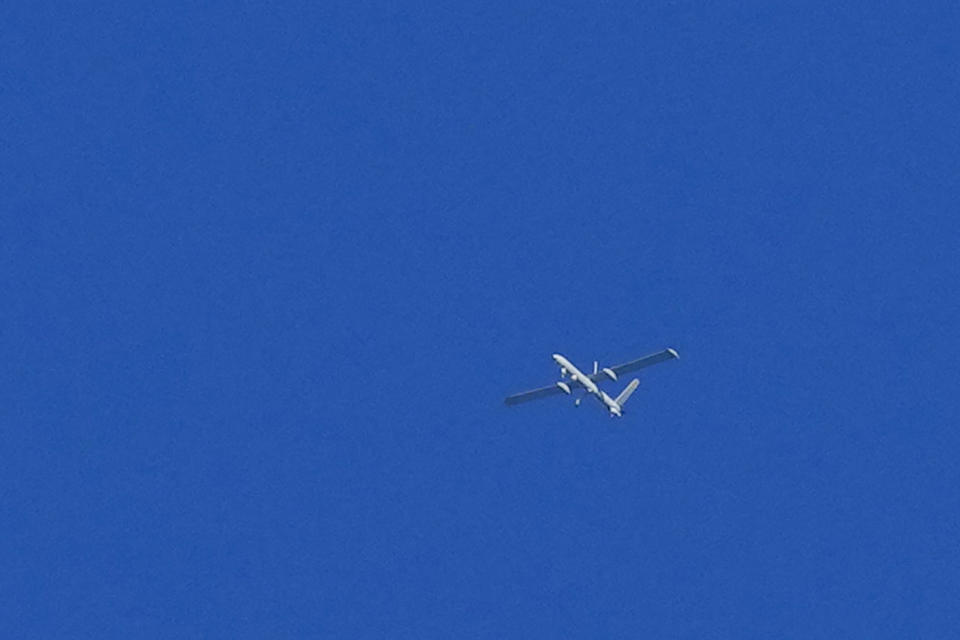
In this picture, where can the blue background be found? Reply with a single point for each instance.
(268, 274)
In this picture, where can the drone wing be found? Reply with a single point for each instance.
(542, 392)
(639, 363)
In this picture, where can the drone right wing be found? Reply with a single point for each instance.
(639, 363)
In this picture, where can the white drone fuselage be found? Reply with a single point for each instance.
(589, 385)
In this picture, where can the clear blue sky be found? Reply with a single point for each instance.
(268, 274)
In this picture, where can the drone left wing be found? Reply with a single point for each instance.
(542, 392)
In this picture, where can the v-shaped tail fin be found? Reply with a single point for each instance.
(625, 394)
